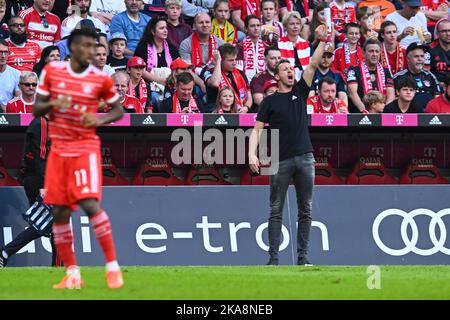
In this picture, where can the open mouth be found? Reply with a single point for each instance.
(290, 77)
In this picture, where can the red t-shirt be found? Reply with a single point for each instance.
(69, 137)
(314, 105)
(438, 105)
(23, 58)
(17, 105)
(341, 17)
(36, 29)
(247, 7)
(429, 5)
(392, 57)
(132, 103)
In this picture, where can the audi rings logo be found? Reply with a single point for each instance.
(411, 244)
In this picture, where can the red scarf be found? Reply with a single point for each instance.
(241, 96)
(197, 50)
(366, 80)
(347, 56)
(252, 67)
(314, 105)
(399, 62)
(176, 106)
(287, 48)
(152, 56)
(143, 94)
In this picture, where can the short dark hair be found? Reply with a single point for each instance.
(227, 49)
(14, 17)
(100, 45)
(266, 52)
(184, 78)
(76, 34)
(327, 80)
(405, 82)
(277, 66)
(265, 1)
(248, 18)
(370, 41)
(351, 25)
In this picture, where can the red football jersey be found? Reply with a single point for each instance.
(23, 58)
(314, 105)
(132, 103)
(69, 137)
(340, 17)
(44, 34)
(17, 105)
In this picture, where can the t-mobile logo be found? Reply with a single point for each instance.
(185, 118)
(399, 119)
(329, 119)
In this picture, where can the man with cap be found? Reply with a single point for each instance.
(80, 9)
(427, 86)
(411, 23)
(270, 87)
(137, 86)
(179, 66)
(116, 58)
(324, 71)
(182, 101)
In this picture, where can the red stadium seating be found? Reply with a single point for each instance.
(154, 172)
(370, 170)
(6, 180)
(325, 173)
(422, 171)
(204, 175)
(249, 178)
(111, 176)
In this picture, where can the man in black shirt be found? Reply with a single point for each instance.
(182, 100)
(285, 111)
(440, 54)
(406, 89)
(36, 149)
(426, 83)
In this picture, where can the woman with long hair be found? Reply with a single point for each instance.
(226, 102)
(156, 50)
(49, 54)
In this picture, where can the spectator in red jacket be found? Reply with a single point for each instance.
(441, 104)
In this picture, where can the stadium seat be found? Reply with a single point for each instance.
(111, 176)
(325, 173)
(422, 171)
(155, 172)
(250, 178)
(370, 170)
(204, 175)
(6, 180)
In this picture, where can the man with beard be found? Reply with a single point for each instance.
(81, 12)
(272, 56)
(427, 86)
(326, 101)
(23, 54)
(440, 54)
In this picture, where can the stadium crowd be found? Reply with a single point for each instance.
(185, 56)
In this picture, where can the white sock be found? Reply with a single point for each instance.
(73, 271)
(4, 254)
(112, 266)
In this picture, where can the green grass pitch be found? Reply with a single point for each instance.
(234, 282)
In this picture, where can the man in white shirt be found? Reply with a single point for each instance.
(81, 12)
(105, 10)
(411, 24)
(9, 77)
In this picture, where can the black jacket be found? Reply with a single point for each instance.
(37, 146)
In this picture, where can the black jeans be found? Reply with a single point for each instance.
(301, 169)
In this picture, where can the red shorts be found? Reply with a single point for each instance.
(71, 179)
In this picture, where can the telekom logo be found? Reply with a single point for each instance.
(329, 119)
(399, 119)
(185, 118)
